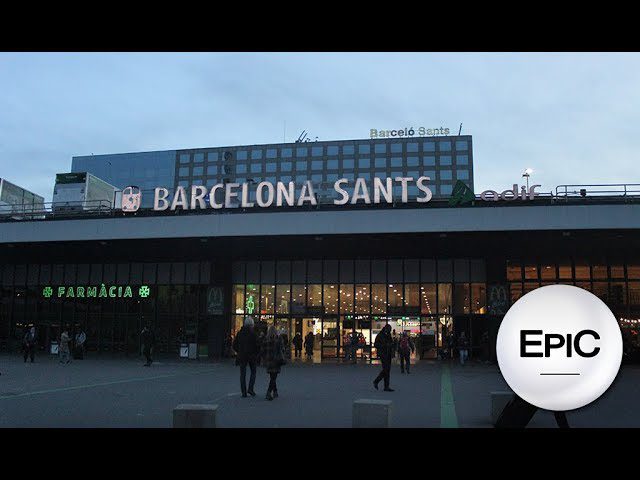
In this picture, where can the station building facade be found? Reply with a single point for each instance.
(431, 269)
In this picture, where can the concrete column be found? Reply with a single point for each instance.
(371, 413)
(194, 416)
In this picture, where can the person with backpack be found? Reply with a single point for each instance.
(385, 348)
(405, 348)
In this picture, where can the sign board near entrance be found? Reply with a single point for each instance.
(215, 298)
(498, 302)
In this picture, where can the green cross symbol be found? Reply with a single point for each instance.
(144, 291)
(47, 292)
(250, 305)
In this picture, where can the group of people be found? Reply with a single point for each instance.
(66, 345)
(30, 344)
(270, 351)
(308, 345)
(353, 341)
(461, 344)
(387, 344)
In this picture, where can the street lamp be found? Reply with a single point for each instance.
(527, 173)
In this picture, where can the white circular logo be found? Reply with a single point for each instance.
(559, 347)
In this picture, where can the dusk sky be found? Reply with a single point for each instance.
(569, 116)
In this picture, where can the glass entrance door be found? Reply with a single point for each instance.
(303, 326)
(427, 345)
(330, 341)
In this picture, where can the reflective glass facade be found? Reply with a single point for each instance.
(146, 170)
(444, 159)
(323, 163)
(333, 298)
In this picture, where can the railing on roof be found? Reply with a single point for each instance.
(47, 210)
(600, 190)
(614, 193)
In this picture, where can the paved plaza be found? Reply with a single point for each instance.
(102, 391)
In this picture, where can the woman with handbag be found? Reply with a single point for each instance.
(273, 357)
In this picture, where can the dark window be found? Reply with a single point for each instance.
(149, 273)
(283, 272)
(299, 272)
(346, 271)
(192, 273)
(445, 273)
(362, 271)
(123, 274)
(177, 273)
(411, 271)
(268, 272)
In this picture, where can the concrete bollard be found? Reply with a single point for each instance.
(194, 416)
(499, 400)
(371, 413)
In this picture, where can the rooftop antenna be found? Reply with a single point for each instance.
(460, 131)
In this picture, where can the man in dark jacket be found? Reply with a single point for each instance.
(385, 347)
(148, 340)
(246, 346)
(297, 345)
(308, 345)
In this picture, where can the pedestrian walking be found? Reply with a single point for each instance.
(261, 336)
(297, 345)
(451, 345)
(384, 347)
(308, 345)
(405, 348)
(463, 347)
(394, 336)
(81, 338)
(355, 343)
(64, 352)
(285, 343)
(148, 341)
(29, 344)
(246, 347)
(273, 358)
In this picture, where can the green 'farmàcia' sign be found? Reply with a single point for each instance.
(102, 291)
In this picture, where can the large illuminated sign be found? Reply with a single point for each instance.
(101, 291)
(280, 194)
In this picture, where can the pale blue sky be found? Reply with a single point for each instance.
(569, 116)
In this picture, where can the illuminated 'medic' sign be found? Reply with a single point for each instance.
(102, 291)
